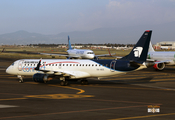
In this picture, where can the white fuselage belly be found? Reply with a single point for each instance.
(80, 68)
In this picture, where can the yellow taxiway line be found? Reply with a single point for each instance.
(81, 91)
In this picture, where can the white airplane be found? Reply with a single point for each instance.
(161, 58)
(78, 53)
(66, 69)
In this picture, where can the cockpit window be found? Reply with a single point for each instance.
(90, 53)
(12, 64)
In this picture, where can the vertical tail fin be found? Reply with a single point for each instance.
(140, 50)
(69, 44)
(151, 49)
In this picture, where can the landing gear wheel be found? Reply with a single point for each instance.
(21, 81)
(84, 82)
(64, 83)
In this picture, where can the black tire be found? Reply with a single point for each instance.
(62, 83)
(20, 81)
(84, 82)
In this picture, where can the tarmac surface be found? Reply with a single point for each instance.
(118, 98)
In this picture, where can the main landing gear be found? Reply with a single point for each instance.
(63, 82)
(20, 79)
(84, 82)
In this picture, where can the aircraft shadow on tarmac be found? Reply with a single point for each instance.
(102, 82)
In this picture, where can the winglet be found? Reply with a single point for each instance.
(109, 52)
(38, 65)
(69, 44)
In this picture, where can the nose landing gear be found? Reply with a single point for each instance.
(20, 79)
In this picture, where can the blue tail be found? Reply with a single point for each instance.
(140, 50)
(69, 44)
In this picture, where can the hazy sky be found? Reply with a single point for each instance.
(55, 16)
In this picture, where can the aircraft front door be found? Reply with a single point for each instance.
(112, 66)
(20, 65)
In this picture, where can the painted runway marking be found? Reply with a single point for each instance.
(50, 96)
(7, 106)
(12, 99)
(162, 88)
(123, 87)
(81, 91)
(146, 116)
(58, 96)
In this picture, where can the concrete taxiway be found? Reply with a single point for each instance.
(126, 97)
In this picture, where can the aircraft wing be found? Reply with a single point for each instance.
(71, 74)
(26, 52)
(54, 54)
(106, 55)
(64, 73)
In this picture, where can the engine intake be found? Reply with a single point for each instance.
(39, 77)
(159, 66)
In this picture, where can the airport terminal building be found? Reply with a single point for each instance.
(169, 45)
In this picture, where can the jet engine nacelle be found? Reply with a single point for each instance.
(39, 77)
(159, 66)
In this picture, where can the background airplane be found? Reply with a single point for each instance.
(71, 53)
(161, 58)
(64, 69)
(79, 53)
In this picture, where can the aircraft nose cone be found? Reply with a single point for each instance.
(8, 70)
(92, 56)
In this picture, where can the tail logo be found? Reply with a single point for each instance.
(137, 51)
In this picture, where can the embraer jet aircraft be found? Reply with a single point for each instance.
(66, 69)
(79, 53)
(161, 58)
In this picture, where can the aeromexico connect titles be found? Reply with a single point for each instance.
(66, 69)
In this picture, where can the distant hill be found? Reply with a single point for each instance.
(127, 35)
